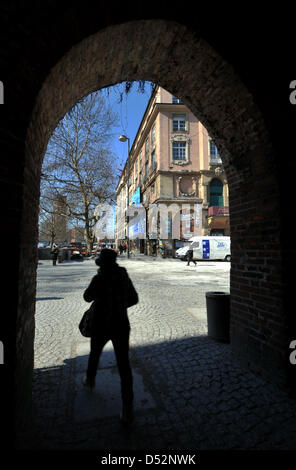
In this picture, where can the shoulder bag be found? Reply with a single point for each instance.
(86, 322)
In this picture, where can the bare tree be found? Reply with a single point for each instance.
(46, 219)
(79, 164)
(47, 229)
(52, 216)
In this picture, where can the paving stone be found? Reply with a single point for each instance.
(189, 390)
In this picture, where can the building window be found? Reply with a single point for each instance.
(213, 150)
(146, 170)
(176, 100)
(216, 192)
(153, 137)
(147, 148)
(179, 122)
(153, 160)
(140, 178)
(152, 188)
(179, 150)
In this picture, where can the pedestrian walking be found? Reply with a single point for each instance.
(190, 257)
(120, 249)
(112, 292)
(54, 254)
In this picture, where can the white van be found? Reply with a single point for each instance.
(182, 252)
(211, 247)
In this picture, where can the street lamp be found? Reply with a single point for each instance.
(124, 138)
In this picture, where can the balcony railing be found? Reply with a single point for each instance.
(218, 210)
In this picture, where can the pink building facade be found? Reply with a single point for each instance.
(175, 172)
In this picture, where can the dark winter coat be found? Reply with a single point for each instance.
(54, 253)
(190, 254)
(113, 292)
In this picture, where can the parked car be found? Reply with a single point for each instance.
(43, 244)
(83, 250)
(182, 252)
(76, 251)
(76, 255)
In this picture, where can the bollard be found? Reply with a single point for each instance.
(218, 316)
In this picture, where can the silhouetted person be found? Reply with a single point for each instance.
(190, 257)
(54, 254)
(113, 292)
(120, 248)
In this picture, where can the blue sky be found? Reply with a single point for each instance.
(130, 112)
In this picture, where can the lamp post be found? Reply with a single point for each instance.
(124, 138)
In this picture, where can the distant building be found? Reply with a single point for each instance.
(75, 234)
(173, 163)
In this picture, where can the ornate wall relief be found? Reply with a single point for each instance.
(186, 186)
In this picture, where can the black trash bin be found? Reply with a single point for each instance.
(218, 316)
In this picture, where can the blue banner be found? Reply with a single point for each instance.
(135, 199)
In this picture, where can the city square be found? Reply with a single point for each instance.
(190, 391)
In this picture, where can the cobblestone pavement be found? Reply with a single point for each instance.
(190, 391)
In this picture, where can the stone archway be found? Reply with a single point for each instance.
(180, 61)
